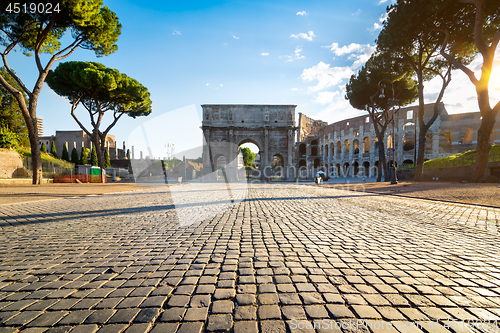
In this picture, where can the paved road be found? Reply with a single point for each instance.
(286, 258)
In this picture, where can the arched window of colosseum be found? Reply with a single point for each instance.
(465, 135)
(409, 141)
(347, 146)
(302, 150)
(366, 145)
(314, 142)
(332, 149)
(376, 143)
(445, 136)
(325, 149)
(356, 134)
(428, 140)
(355, 144)
(445, 141)
(389, 142)
(314, 151)
(409, 126)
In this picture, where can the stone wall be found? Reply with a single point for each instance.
(11, 164)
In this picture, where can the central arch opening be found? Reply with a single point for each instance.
(249, 158)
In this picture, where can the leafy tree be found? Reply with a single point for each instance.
(74, 156)
(406, 35)
(65, 153)
(83, 156)
(248, 156)
(91, 26)
(128, 154)
(93, 157)
(363, 92)
(8, 139)
(10, 114)
(53, 150)
(100, 90)
(107, 161)
(43, 149)
(477, 25)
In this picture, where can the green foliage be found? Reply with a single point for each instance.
(92, 26)
(198, 160)
(107, 162)
(10, 113)
(8, 139)
(364, 84)
(410, 33)
(43, 149)
(74, 156)
(93, 157)
(462, 159)
(53, 150)
(248, 156)
(128, 154)
(83, 156)
(97, 85)
(65, 153)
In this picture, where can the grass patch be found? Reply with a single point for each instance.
(462, 159)
(26, 152)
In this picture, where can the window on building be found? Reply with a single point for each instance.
(367, 120)
(409, 114)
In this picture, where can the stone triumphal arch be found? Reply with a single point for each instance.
(226, 127)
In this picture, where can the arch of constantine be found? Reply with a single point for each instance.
(226, 127)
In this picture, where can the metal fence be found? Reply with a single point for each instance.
(49, 169)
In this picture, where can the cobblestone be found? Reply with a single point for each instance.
(287, 252)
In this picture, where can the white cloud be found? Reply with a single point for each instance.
(302, 13)
(382, 1)
(235, 36)
(208, 84)
(298, 49)
(325, 75)
(309, 36)
(357, 12)
(221, 85)
(359, 53)
(380, 24)
(176, 32)
(326, 97)
(295, 89)
(264, 54)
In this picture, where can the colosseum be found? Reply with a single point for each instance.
(344, 147)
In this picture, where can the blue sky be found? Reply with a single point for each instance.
(238, 52)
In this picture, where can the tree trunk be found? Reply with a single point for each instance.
(36, 159)
(32, 125)
(422, 138)
(422, 130)
(97, 143)
(483, 145)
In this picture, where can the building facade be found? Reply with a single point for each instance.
(78, 139)
(350, 146)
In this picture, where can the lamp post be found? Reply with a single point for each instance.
(392, 103)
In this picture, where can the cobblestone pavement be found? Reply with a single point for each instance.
(286, 258)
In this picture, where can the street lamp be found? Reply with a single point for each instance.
(393, 103)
